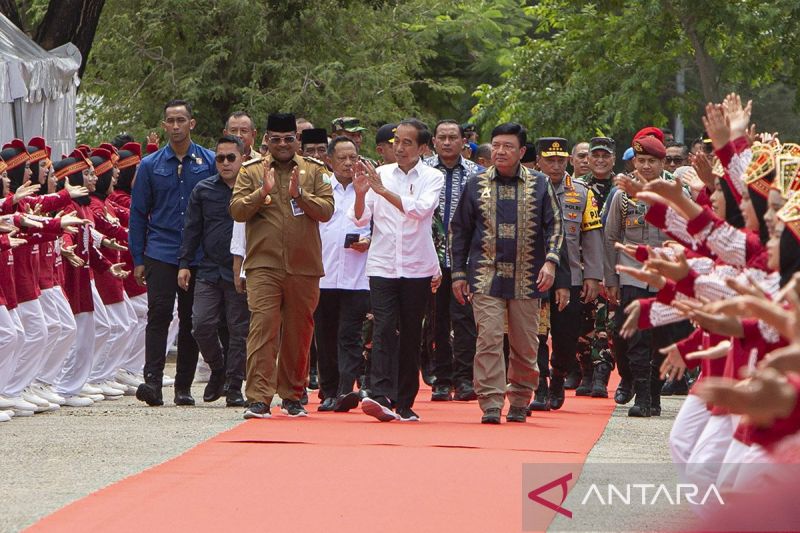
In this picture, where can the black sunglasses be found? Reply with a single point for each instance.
(673, 159)
(222, 157)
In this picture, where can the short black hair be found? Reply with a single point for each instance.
(231, 139)
(676, 144)
(240, 114)
(484, 150)
(512, 128)
(448, 121)
(423, 133)
(179, 103)
(121, 140)
(339, 139)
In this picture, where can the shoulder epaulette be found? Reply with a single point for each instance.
(314, 160)
(253, 161)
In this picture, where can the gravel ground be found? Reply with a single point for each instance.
(53, 459)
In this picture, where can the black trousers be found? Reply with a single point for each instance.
(453, 361)
(338, 325)
(162, 288)
(565, 329)
(398, 306)
(213, 303)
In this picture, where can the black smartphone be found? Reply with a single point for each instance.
(350, 238)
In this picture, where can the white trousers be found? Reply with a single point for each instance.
(134, 361)
(78, 364)
(689, 424)
(733, 459)
(12, 337)
(33, 350)
(706, 458)
(56, 311)
(122, 321)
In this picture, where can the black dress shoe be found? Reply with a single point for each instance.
(215, 387)
(517, 414)
(183, 397)
(304, 398)
(441, 393)
(491, 416)
(313, 379)
(556, 396)
(149, 393)
(327, 404)
(465, 393)
(234, 398)
(572, 380)
(624, 392)
(639, 411)
(345, 402)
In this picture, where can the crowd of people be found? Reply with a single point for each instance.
(491, 268)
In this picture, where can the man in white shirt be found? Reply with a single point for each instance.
(400, 199)
(344, 290)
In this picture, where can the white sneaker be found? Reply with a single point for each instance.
(91, 388)
(167, 381)
(29, 396)
(45, 391)
(130, 390)
(9, 413)
(77, 401)
(109, 392)
(203, 372)
(23, 412)
(6, 403)
(126, 377)
(116, 385)
(94, 397)
(50, 407)
(4, 417)
(22, 405)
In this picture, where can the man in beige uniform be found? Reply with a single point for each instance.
(282, 198)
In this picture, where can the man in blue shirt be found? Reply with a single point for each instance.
(161, 191)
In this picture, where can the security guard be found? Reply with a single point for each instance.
(282, 198)
(626, 224)
(584, 241)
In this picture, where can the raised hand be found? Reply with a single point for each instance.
(360, 180)
(738, 116)
(716, 125)
(652, 278)
(673, 365)
(269, 180)
(702, 165)
(675, 270)
(68, 253)
(76, 191)
(114, 245)
(27, 222)
(14, 242)
(118, 271)
(25, 190)
(294, 182)
(631, 186)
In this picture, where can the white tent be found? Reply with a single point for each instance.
(37, 90)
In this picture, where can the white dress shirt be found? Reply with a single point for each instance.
(345, 268)
(239, 242)
(402, 242)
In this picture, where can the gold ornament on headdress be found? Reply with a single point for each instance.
(763, 162)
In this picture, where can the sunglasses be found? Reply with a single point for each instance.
(221, 158)
(289, 139)
(673, 159)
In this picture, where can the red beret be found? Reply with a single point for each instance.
(649, 145)
(651, 131)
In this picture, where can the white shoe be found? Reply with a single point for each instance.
(130, 390)
(22, 405)
(91, 388)
(203, 372)
(77, 401)
(94, 397)
(45, 391)
(126, 377)
(116, 385)
(29, 396)
(167, 381)
(109, 392)
(4, 417)
(50, 407)
(23, 412)
(6, 403)
(9, 413)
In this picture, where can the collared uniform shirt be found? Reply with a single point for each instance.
(503, 231)
(454, 180)
(402, 241)
(158, 203)
(582, 228)
(277, 236)
(208, 225)
(345, 268)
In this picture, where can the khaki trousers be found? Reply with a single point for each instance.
(279, 302)
(491, 383)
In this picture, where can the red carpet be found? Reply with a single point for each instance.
(346, 472)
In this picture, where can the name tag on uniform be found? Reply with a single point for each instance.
(296, 209)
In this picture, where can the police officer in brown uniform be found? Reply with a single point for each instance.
(282, 198)
(584, 242)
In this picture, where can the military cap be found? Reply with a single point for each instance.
(385, 133)
(350, 124)
(552, 146)
(602, 143)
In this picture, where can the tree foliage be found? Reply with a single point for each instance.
(610, 66)
(380, 61)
